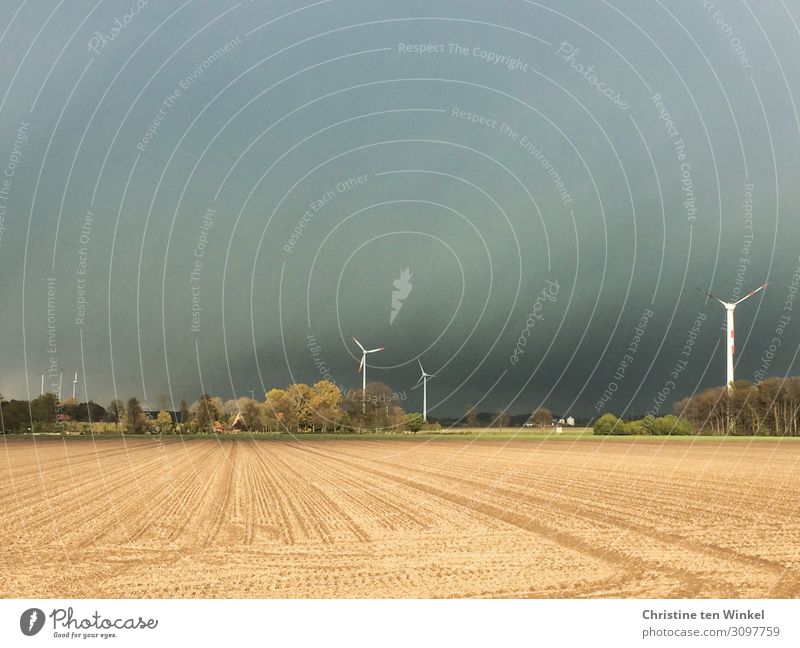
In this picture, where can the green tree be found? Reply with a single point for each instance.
(16, 416)
(205, 411)
(70, 407)
(90, 412)
(414, 422)
(251, 412)
(43, 409)
(216, 405)
(115, 412)
(135, 419)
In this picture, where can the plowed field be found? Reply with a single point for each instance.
(238, 518)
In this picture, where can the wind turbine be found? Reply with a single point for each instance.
(423, 380)
(362, 367)
(74, 385)
(729, 333)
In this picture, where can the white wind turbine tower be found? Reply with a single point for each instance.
(362, 367)
(74, 385)
(423, 380)
(729, 333)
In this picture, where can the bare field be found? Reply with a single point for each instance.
(203, 518)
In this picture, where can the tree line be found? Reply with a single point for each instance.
(299, 408)
(767, 408)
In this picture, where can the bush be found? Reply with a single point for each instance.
(649, 424)
(671, 425)
(683, 427)
(634, 428)
(414, 422)
(608, 424)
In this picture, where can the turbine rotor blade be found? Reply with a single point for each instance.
(705, 292)
(374, 350)
(361, 364)
(359, 344)
(750, 294)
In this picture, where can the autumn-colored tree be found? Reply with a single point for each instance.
(325, 405)
(376, 408)
(304, 399)
(281, 406)
(164, 422)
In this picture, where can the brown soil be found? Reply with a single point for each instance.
(129, 518)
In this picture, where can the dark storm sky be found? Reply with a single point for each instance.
(612, 154)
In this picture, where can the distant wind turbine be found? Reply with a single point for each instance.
(423, 380)
(729, 333)
(362, 367)
(74, 385)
